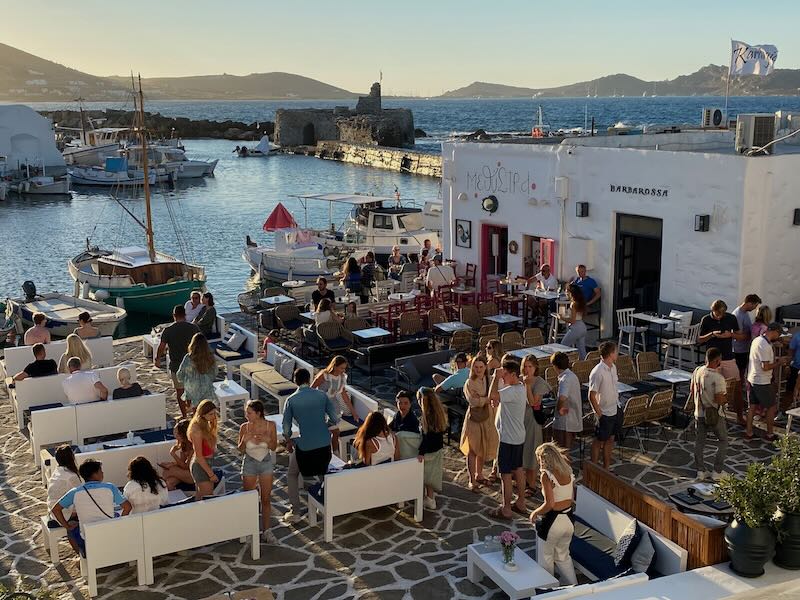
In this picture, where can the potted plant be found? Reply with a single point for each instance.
(785, 480)
(750, 538)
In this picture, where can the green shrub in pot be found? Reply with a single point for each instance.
(785, 480)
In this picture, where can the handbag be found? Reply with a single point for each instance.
(478, 414)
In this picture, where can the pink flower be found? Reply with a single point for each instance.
(508, 538)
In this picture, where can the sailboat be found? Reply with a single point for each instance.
(140, 280)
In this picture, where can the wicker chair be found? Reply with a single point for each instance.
(646, 363)
(356, 323)
(334, 338)
(461, 341)
(660, 407)
(582, 368)
(625, 369)
(633, 415)
(492, 331)
(249, 301)
(532, 336)
(436, 315)
(483, 340)
(469, 315)
(410, 325)
(288, 318)
(593, 355)
(488, 309)
(551, 377)
(511, 340)
(732, 388)
(544, 364)
(274, 291)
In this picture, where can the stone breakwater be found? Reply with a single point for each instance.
(392, 159)
(162, 126)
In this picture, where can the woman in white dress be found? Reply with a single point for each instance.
(332, 380)
(145, 491)
(64, 477)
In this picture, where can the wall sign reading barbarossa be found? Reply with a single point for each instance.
(640, 191)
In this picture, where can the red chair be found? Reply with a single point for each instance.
(423, 303)
(485, 297)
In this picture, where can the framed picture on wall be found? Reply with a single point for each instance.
(463, 233)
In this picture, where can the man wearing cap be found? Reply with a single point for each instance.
(759, 376)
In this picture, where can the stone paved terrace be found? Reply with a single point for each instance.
(382, 553)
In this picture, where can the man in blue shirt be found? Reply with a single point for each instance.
(589, 287)
(455, 381)
(309, 454)
(93, 501)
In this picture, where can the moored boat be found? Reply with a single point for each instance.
(62, 311)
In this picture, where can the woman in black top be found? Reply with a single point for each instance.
(433, 426)
(404, 419)
(206, 320)
(126, 389)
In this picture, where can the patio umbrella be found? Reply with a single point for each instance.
(279, 218)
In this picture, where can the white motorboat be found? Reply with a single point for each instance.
(293, 256)
(100, 177)
(43, 185)
(173, 160)
(62, 311)
(95, 145)
(262, 149)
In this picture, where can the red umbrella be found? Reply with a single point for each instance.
(279, 218)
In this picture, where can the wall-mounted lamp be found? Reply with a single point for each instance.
(581, 209)
(533, 201)
(463, 197)
(490, 204)
(702, 222)
(796, 220)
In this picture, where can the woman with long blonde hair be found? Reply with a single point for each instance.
(763, 318)
(433, 426)
(197, 373)
(203, 436)
(479, 437)
(332, 380)
(75, 347)
(555, 527)
(534, 418)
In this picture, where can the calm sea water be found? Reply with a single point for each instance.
(213, 215)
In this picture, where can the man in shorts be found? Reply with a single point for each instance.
(759, 376)
(741, 347)
(176, 338)
(604, 397)
(708, 389)
(513, 399)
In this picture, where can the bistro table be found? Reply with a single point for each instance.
(370, 334)
(543, 294)
(445, 369)
(503, 319)
(544, 351)
(402, 296)
(307, 316)
(348, 298)
(661, 322)
(513, 284)
(672, 376)
(276, 300)
(554, 347)
(294, 283)
(450, 327)
(622, 388)
(687, 499)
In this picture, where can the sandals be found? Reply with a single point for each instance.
(519, 511)
(474, 487)
(771, 437)
(497, 514)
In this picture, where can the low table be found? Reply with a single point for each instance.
(370, 334)
(521, 583)
(700, 508)
(276, 300)
(793, 412)
(229, 391)
(149, 344)
(503, 319)
(450, 327)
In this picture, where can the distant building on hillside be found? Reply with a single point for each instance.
(369, 124)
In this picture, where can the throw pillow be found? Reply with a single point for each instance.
(643, 555)
(627, 544)
(411, 372)
(236, 340)
(278, 361)
(287, 369)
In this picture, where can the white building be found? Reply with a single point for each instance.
(27, 138)
(643, 196)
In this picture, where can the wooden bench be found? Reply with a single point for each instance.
(18, 357)
(74, 424)
(354, 490)
(40, 391)
(705, 543)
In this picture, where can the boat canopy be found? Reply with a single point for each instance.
(354, 199)
(279, 218)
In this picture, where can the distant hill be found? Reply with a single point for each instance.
(707, 81)
(28, 78)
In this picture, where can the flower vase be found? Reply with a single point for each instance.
(508, 557)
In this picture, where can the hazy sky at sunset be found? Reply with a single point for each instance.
(423, 47)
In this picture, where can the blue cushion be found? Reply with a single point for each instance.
(594, 551)
(46, 406)
(644, 555)
(292, 324)
(339, 342)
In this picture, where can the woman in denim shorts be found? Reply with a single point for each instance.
(258, 439)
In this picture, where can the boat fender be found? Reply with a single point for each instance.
(120, 301)
(326, 252)
(101, 295)
(86, 290)
(76, 289)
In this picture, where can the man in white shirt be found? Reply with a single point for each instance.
(569, 407)
(545, 280)
(513, 400)
(439, 275)
(708, 390)
(82, 386)
(759, 376)
(193, 306)
(93, 501)
(604, 397)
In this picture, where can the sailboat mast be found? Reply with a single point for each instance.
(151, 247)
(83, 121)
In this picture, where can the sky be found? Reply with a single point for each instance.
(423, 47)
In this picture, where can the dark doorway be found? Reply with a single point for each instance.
(494, 250)
(638, 263)
(309, 135)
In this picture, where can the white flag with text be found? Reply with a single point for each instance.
(752, 60)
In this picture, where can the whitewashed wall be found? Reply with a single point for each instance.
(27, 137)
(696, 267)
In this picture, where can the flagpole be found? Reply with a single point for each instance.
(727, 88)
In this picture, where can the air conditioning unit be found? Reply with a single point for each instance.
(755, 131)
(713, 118)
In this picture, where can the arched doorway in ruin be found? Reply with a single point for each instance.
(309, 135)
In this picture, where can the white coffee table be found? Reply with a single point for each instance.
(521, 583)
(149, 344)
(229, 391)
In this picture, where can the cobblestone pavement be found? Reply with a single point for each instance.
(381, 553)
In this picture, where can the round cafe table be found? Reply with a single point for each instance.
(402, 297)
(294, 283)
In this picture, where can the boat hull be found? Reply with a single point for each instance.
(153, 299)
(34, 187)
(61, 325)
(278, 267)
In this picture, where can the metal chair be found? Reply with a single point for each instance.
(688, 341)
(461, 341)
(633, 415)
(626, 372)
(532, 336)
(511, 340)
(627, 327)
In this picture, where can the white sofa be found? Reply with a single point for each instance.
(354, 490)
(264, 376)
(38, 391)
(74, 424)
(247, 352)
(18, 357)
(151, 534)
